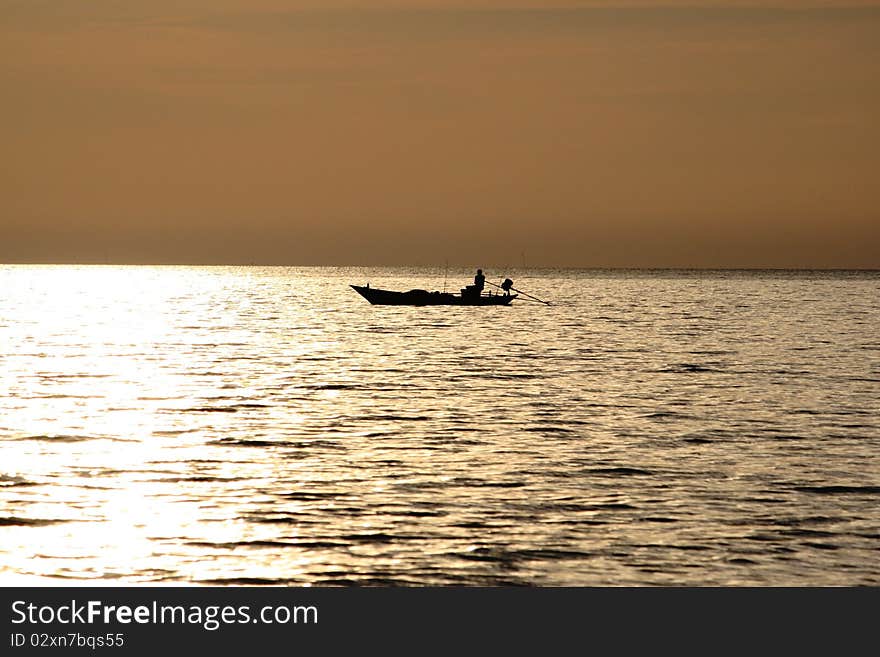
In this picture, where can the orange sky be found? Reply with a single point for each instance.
(634, 134)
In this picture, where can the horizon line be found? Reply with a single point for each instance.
(441, 266)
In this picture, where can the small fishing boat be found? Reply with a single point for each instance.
(379, 297)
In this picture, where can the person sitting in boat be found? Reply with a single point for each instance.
(506, 285)
(479, 281)
(477, 288)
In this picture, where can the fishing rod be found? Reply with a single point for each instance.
(522, 293)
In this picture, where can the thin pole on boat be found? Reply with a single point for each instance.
(446, 276)
(522, 293)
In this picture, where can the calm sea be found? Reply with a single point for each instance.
(267, 425)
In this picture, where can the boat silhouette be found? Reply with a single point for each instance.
(379, 297)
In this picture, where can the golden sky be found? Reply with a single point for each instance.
(707, 133)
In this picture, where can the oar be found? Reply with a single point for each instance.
(522, 293)
(531, 300)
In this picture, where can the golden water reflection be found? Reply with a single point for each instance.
(237, 425)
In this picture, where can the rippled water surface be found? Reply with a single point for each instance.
(250, 425)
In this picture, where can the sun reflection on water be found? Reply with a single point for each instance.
(200, 425)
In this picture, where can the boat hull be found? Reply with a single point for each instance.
(379, 297)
